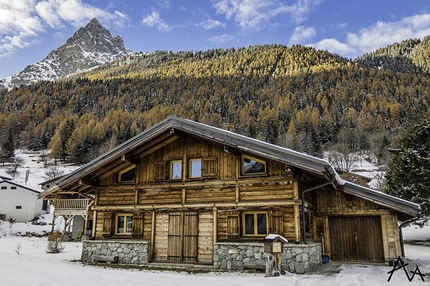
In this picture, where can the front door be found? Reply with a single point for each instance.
(182, 241)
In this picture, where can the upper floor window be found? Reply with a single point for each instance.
(176, 170)
(124, 224)
(4, 187)
(253, 166)
(195, 166)
(13, 187)
(128, 175)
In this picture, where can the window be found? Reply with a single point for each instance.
(18, 207)
(124, 224)
(195, 168)
(176, 170)
(253, 166)
(127, 176)
(13, 188)
(254, 223)
(4, 187)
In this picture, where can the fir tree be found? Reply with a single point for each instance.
(408, 175)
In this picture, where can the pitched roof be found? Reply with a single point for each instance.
(304, 162)
(20, 186)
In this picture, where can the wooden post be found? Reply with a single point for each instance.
(153, 235)
(215, 223)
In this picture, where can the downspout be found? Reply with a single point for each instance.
(303, 204)
(402, 246)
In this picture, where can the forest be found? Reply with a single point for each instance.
(298, 97)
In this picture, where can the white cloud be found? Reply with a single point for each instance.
(212, 24)
(255, 14)
(154, 20)
(302, 33)
(379, 35)
(22, 21)
(336, 47)
(222, 39)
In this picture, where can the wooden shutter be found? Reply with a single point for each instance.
(209, 167)
(108, 223)
(190, 236)
(277, 223)
(160, 171)
(174, 251)
(137, 225)
(233, 226)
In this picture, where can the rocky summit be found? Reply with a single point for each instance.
(89, 47)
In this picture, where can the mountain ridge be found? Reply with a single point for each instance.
(87, 48)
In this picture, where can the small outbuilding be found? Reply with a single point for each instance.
(18, 201)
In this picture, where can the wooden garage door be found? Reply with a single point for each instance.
(356, 239)
(182, 244)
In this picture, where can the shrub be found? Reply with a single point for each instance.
(55, 242)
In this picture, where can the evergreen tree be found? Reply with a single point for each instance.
(8, 148)
(408, 175)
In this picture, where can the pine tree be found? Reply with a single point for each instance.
(408, 175)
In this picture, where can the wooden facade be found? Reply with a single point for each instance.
(185, 188)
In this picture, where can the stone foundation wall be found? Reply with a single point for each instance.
(128, 251)
(296, 258)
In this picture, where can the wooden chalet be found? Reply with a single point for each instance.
(183, 191)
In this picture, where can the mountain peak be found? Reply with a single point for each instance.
(87, 48)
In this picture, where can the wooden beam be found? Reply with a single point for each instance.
(254, 204)
(150, 144)
(105, 169)
(260, 181)
(130, 159)
(158, 146)
(87, 182)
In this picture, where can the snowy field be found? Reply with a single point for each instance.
(24, 261)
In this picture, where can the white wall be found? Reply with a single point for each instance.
(11, 198)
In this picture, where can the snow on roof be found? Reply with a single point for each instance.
(28, 188)
(5, 175)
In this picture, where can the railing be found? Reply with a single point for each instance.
(72, 204)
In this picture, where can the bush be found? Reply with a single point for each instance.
(55, 242)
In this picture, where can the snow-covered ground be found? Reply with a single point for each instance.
(24, 261)
(33, 163)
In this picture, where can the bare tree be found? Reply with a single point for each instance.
(53, 172)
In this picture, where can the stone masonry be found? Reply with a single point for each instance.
(296, 258)
(235, 256)
(127, 251)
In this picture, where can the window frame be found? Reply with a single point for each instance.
(190, 168)
(120, 181)
(244, 157)
(171, 171)
(125, 215)
(255, 213)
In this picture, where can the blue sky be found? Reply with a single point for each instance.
(30, 29)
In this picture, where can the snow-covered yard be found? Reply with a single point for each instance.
(24, 261)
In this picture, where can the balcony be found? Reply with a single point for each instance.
(71, 206)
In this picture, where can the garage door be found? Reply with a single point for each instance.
(356, 239)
